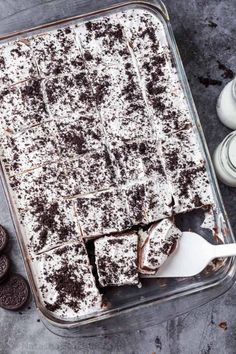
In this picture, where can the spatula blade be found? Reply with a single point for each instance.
(190, 257)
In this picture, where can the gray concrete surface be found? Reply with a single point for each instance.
(198, 331)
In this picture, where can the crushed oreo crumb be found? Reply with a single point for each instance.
(207, 81)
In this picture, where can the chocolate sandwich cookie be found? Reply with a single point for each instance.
(4, 266)
(3, 238)
(14, 292)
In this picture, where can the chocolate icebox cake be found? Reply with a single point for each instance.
(97, 142)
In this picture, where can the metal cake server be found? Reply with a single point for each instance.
(192, 255)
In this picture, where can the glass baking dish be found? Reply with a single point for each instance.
(157, 300)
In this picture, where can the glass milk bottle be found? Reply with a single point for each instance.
(226, 105)
(224, 159)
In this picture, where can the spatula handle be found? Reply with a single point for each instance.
(228, 250)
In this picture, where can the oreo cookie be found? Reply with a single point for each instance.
(4, 266)
(3, 238)
(14, 292)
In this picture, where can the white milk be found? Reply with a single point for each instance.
(224, 159)
(226, 105)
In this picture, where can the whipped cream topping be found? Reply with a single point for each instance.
(91, 172)
(159, 200)
(116, 259)
(129, 161)
(16, 63)
(56, 52)
(78, 136)
(120, 103)
(182, 151)
(102, 42)
(148, 202)
(48, 225)
(191, 189)
(102, 213)
(155, 248)
(67, 286)
(22, 106)
(96, 138)
(45, 184)
(69, 96)
(30, 148)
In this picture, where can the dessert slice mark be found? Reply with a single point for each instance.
(91, 172)
(29, 149)
(56, 52)
(46, 226)
(102, 213)
(48, 183)
(66, 283)
(116, 259)
(16, 63)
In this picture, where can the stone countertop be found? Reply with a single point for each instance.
(205, 32)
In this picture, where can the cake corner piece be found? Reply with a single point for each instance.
(66, 284)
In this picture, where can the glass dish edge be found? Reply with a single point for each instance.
(154, 6)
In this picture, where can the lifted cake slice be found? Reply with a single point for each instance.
(160, 241)
(65, 281)
(116, 259)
